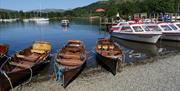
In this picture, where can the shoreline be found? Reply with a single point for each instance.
(156, 75)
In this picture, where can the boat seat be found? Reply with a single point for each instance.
(73, 49)
(33, 57)
(105, 47)
(116, 52)
(19, 65)
(111, 47)
(38, 51)
(67, 56)
(70, 62)
(40, 48)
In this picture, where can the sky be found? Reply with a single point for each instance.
(27, 5)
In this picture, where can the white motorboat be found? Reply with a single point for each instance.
(65, 22)
(171, 31)
(137, 32)
(9, 20)
(41, 20)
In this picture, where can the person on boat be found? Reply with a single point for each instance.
(166, 18)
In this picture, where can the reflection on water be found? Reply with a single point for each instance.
(135, 51)
(21, 35)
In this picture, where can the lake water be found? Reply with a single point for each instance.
(21, 35)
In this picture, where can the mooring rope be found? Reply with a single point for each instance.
(8, 79)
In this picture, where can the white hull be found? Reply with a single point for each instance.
(42, 22)
(171, 36)
(148, 38)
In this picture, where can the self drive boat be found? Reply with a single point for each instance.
(24, 64)
(108, 54)
(65, 22)
(136, 32)
(70, 61)
(170, 31)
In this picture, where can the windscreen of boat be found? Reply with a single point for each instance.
(126, 29)
(173, 27)
(178, 25)
(166, 28)
(137, 28)
(152, 28)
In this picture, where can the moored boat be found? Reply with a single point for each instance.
(70, 61)
(65, 22)
(108, 54)
(3, 53)
(136, 32)
(170, 31)
(24, 64)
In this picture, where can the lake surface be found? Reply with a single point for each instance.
(21, 35)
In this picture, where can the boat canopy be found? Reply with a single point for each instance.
(166, 27)
(126, 29)
(137, 28)
(173, 26)
(178, 25)
(151, 27)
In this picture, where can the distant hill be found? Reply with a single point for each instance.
(127, 7)
(48, 10)
(7, 10)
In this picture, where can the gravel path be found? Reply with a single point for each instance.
(161, 75)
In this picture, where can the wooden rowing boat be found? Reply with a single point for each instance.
(108, 54)
(3, 53)
(24, 64)
(70, 61)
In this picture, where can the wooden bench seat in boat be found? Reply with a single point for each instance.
(38, 51)
(33, 57)
(109, 53)
(70, 62)
(72, 53)
(73, 49)
(69, 56)
(20, 65)
(40, 48)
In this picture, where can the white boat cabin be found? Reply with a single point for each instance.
(168, 27)
(175, 25)
(138, 28)
(152, 27)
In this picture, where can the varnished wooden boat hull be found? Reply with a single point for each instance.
(108, 63)
(20, 76)
(69, 75)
